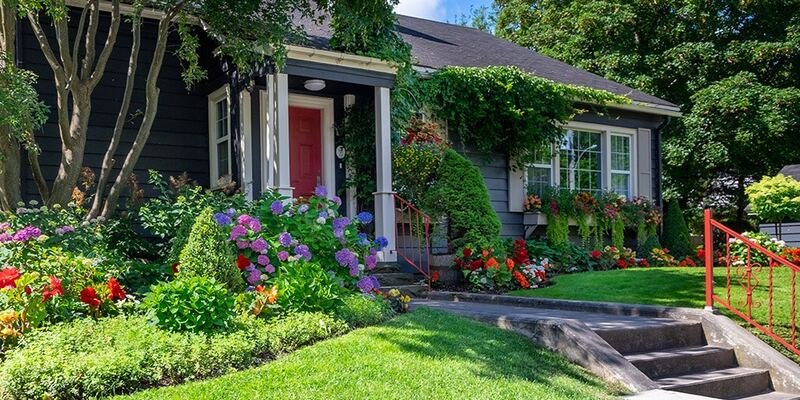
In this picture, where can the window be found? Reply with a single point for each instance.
(580, 161)
(621, 164)
(219, 136)
(540, 173)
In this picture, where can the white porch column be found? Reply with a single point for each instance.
(350, 197)
(283, 183)
(384, 196)
(246, 144)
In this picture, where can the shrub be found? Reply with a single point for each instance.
(359, 310)
(676, 233)
(460, 194)
(208, 254)
(646, 249)
(89, 359)
(305, 286)
(193, 304)
(775, 199)
(414, 166)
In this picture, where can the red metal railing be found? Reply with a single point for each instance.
(412, 233)
(744, 293)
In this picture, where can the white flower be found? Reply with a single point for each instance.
(321, 221)
(33, 203)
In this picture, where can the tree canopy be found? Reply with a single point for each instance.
(675, 49)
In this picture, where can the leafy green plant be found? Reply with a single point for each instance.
(461, 194)
(415, 166)
(359, 310)
(775, 199)
(289, 332)
(357, 132)
(208, 254)
(675, 236)
(194, 304)
(306, 286)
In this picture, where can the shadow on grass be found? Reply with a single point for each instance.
(491, 353)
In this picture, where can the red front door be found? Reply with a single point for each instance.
(305, 144)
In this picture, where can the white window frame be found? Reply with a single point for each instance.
(631, 165)
(606, 131)
(214, 140)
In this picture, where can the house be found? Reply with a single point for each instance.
(277, 132)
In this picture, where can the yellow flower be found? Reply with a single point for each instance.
(8, 332)
(8, 317)
(394, 293)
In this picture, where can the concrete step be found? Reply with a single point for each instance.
(396, 278)
(731, 383)
(684, 360)
(411, 290)
(647, 335)
(773, 396)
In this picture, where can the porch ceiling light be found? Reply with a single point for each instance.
(314, 85)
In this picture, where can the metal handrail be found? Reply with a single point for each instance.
(418, 230)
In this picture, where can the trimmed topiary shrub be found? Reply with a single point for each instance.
(208, 254)
(461, 194)
(676, 234)
(646, 249)
(193, 304)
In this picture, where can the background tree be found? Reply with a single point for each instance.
(249, 28)
(674, 49)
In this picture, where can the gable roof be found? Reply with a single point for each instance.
(792, 170)
(437, 44)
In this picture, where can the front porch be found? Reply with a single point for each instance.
(286, 137)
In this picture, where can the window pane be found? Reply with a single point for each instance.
(580, 161)
(620, 153)
(538, 180)
(222, 118)
(222, 159)
(620, 184)
(543, 156)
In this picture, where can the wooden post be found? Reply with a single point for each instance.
(709, 253)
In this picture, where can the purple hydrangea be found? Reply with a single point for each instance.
(237, 232)
(368, 284)
(371, 261)
(285, 239)
(302, 209)
(255, 225)
(5, 237)
(259, 245)
(222, 219)
(323, 214)
(381, 241)
(345, 257)
(365, 217)
(242, 244)
(354, 270)
(231, 212)
(269, 268)
(244, 219)
(276, 207)
(27, 233)
(320, 191)
(254, 276)
(4, 226)
(303, 251)
(262, 260)
(363, 239)
(283, 255)
(64, 230)
(337, 200)
(340, 223)
(373, 252)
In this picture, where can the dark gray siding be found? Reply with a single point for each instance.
(496, 171)
(178, 142)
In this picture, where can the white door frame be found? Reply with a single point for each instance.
(325, 105)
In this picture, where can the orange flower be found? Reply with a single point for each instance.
(492, 263)
(510, 264)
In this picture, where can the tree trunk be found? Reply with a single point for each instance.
(72, 149)
(10, 161)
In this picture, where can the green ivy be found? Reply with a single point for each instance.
(505, 109)
(356, 130)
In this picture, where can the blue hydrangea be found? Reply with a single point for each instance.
(365, 217)
(320, 191)
(303, 251)
(276, 207)
(222, 219)
(382, 242)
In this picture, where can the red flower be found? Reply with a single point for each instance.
(54, 289)
(115, 290)
(175, 267)
(492, 263)
(476, 265)
(89, 297)
(435, 276)
(643, 263)
(622, 263)
(596, 254)
(510, 264)
(701, 253)
(28, 290)
(8, 278)
(467, 252)
(687, 262)
(242, 262)
(485, 253)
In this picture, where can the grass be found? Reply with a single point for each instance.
(680, 287)
(422, 355)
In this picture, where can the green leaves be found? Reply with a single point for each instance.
(20, 108)
(194, 304)
(775, 199)
(505, 109)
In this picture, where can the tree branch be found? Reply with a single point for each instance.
(62, 38)
(151, 108)
(76, 46)
(91, 36)
(105, 54)
(108, 159)
(44, 44)
(38, 177)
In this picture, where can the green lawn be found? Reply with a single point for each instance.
(422, 355)
(678, 287)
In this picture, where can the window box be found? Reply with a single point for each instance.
(531, 218)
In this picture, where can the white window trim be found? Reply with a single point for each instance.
(606, 131)
(215, 97)
(325, 105)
